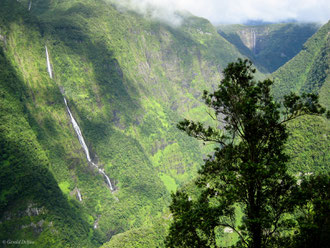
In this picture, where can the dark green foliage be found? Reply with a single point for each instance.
(248, 168)
(308, 72)
(141, 237)
(318, 73)
(313, 212)
(308, 145)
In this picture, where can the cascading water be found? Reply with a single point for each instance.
(83, 144)
(254, 41)
(48, 64)
(105, 175)
(30, 5)
(79, 195)
(96, 223)
(78, 132)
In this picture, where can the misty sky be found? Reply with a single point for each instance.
(237, 11)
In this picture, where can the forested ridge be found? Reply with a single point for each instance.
(308, 72)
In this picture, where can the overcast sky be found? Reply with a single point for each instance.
(237, 11)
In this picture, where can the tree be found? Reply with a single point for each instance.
(248, 168)
(313, 212)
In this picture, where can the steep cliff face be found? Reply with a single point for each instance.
(252, 37)
(127, 81)
(269, 46)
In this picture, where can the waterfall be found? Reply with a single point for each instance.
(254, 42)
(84, 146)
(30, 5)
(96, 223)
(79, 134)
(79, 195)
(105, 175)
(48, 64)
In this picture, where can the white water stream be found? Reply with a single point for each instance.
(254, 41)
(30, 5)
(84, 146)
(79, 195)
(96, 223)
(78, 131)
(49, 68)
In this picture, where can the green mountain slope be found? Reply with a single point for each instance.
(309, 70)
(31, 203)
(269, 46)
(305, 73)
(128, 81)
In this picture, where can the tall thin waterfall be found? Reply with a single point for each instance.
(254, 41)
(30, 5)
(84, 146)
(48, 64)
(96, 222)
(79, 195)
(105, 175)
(78, 132)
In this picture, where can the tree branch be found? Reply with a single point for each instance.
(240, 235)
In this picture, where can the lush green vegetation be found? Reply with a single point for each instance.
(31, 202)
(312, 214)
(128, 81)
(153, 236)
(308, 72)
(248, 168)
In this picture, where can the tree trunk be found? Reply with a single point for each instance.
(256, 235)
(254, 227)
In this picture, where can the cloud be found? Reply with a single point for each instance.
(156, 9)
(233, 11)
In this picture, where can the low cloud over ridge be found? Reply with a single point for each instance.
(234, 11)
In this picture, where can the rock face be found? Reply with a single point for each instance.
(34, 211)
(37, 227)
(251, 37)
(271, 45)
